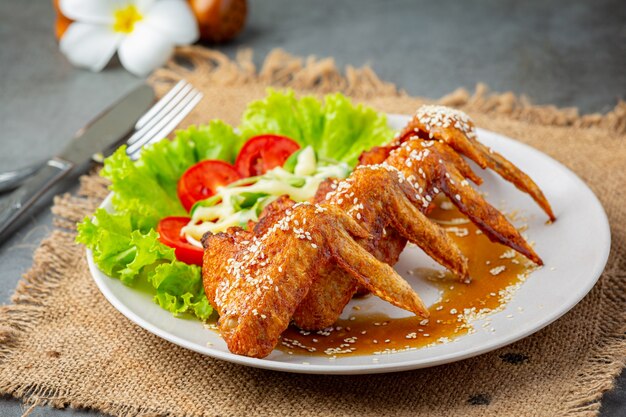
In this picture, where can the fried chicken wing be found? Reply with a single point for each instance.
(457, 130)
(257, 282)
(380, 198)
(440, 169)
(304, 261)
(430, 167)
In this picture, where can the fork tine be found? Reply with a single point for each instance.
(169, 127)
(167, 106)
(159, 104)
(148, 134)
(166, 124)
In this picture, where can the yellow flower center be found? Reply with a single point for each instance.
(125, 19)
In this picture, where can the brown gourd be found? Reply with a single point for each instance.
(219, 20)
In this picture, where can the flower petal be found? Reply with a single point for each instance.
(144, 50)
(174, 19)
(88, 45)
(144, 5)
(89, 11)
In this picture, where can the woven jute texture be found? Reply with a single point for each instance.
(62, 344)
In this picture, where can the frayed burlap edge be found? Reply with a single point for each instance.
(307, 75)
(321, 75)
(50, 262)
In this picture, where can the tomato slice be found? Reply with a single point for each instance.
(201, 180)
(169, 234)
(263, 153)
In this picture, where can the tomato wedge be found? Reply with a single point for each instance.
(263, 153)
(169, 234)
(201, 180)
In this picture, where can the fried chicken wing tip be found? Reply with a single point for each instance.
(457, 130)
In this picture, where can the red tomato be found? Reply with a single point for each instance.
(201, 180)
(169, 234)
(264, 152)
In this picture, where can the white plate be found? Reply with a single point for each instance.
(575, 250)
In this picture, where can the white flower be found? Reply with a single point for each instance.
(143, 32)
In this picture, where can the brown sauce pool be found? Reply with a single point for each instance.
(495, 270)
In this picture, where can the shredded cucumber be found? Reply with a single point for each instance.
(242, 201)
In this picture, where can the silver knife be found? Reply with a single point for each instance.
(100, 135)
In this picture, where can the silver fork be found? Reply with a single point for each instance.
(163, 117)
(155, 124)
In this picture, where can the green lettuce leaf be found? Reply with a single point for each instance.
(122, 251)
(179, 289)
(119, 248)
(350, 130)
(137, 191)
(336, 129)
(125, 244)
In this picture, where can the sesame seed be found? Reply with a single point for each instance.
(497, 270)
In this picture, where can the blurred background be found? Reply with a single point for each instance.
(559, 52)
(566, 53)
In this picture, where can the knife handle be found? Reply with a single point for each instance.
(10, 180)
(19, 201)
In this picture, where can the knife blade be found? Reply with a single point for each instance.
(101, 134)
(110, 127)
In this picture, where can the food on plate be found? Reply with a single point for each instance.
(263, 153)
(202, 180)
(243, 270)
(169, 230)
(125, 243)
(242, 201)
(304, 206)
(457, 130)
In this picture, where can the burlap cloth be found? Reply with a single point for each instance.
(61, 343)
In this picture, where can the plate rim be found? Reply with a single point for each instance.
(338, 369)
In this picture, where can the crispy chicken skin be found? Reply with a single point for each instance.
(442, 170)
(256, 282)
(429, 167)
(457, 130)
(380, 198)
(305, 261)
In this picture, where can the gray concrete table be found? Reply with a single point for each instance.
(560, 52)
